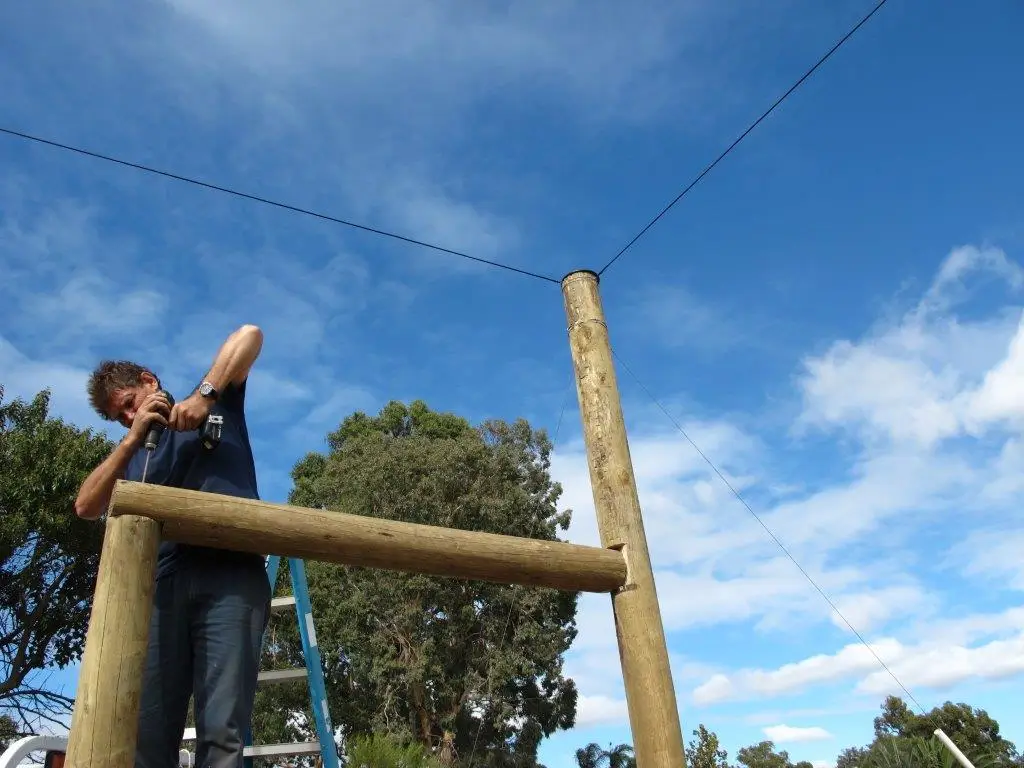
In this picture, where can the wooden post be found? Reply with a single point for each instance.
(650, 692)
(104, 724)
(251, 525)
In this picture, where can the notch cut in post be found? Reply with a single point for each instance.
(650, 692)
(623, 548)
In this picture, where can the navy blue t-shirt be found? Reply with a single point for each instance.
(181, 461)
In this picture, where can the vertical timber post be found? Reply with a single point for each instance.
(104, 725)
(650, 692)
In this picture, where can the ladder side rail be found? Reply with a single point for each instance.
(273, 563)
(311, 651)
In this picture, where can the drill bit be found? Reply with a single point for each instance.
(153, 437)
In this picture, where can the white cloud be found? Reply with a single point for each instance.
(948, 288)
(360, 109)
(70, 285)
(904, 398)
(783, 734)
(757, 683)
(446, 54)
(994, 553)
(23, 377)
(929, 664)
(869, 609)
(998, 398)
(970, 628)
(845, 708)
(942, 667)
(600, 710)
(930, 377)
(678, 317)
(925, 402)
(90, 303)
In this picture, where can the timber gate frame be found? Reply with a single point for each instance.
(104, 723)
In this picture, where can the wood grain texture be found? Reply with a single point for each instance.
(104, 723)
(248, 525)
(650, 693)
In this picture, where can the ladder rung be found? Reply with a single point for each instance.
(278, 750)
(272, 676)
(268, 750)
(280, 603)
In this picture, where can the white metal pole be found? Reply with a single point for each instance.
(960, 756)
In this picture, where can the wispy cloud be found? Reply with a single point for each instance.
(365, 110)
(599, 710)
(676, 317)
(24, 376)
(895, 484)
(447, 55)
(782, 734)
(931, 376)
(717, 567)
(927, 665)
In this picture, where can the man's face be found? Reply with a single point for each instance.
(125, 403)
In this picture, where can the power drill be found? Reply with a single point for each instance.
(209, 433)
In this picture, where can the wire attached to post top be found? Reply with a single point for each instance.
(743, 135)
(274, 203)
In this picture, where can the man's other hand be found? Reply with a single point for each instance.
(189, 413)
(156, 408)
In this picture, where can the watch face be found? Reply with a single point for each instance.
(205, 389)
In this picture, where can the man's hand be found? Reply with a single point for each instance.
(189, 413)
(155, 408)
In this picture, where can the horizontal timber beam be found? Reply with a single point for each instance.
(248, 525)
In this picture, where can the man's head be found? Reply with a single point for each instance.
(118, 387)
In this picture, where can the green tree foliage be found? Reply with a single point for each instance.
(903, 739)
(387, 752)
(594, 756)
(903, 735)
(890, 751)
(764, 755)
(8, 732)
(48, 556)
(430, 660)
(852, 757)
(705, 751)
(972, 730)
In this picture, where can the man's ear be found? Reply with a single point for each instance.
(149, 381)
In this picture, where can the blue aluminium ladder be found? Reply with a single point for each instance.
(313, 672)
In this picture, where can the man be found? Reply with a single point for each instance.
(210, 606)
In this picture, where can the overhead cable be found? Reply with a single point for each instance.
(742, 136)
(275, 203)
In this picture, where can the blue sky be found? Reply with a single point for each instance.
(833, 314)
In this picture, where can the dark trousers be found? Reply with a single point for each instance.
(204, 642)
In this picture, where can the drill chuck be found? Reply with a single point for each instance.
(156, 429)
(209, 431)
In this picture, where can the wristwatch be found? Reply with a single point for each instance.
(206, 389)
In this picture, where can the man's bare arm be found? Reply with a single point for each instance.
(231, 366)
(94, 495)
(235, 357)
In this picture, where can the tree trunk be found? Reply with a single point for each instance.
(423, 723)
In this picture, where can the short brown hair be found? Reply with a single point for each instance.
(110, 376)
